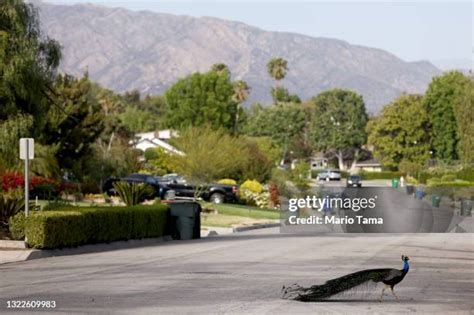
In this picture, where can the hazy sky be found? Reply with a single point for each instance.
(412, 30)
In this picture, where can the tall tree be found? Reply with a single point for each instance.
(201, 99)
(401, 132)
(28, 62)
(277, 68)
(241, 93)
(464, 112)
(338, 124)
(76, 125)
(439, 102)
(220, 68)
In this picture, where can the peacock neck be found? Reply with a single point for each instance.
(406, 266)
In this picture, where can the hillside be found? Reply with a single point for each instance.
(148, 51)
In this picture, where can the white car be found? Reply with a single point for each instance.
(329, 175)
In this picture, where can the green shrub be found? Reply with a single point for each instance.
(11, 203)
(79, 225)
(227, 181)
(466, 173)
(16, 224)
(252, 185)
(380, 175)
(133, 193)
(441, 183)
(448, 178)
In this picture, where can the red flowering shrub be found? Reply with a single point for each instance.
(12, 180)
(42, 187)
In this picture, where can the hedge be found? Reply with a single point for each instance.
(442, 183)
(77, 226)
(380, 175)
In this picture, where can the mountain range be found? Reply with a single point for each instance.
(148, 51)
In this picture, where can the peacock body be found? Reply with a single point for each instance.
(388, 276)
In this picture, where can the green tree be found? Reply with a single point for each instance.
(220, 68)
(75, 124)
(158, 161)
(28, 62)
(201, 99)
(277, 68)
(241, 93)
(282, 95)
(263, 156)
(338, 123)
(282, 123)
(464, 112)
(401, 132)
(208, 155)
(439, 102)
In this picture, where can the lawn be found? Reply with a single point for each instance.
(223, 220)
(244, 211)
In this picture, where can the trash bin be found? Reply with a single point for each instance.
(466, 207)
(410, 189)
(186, 220)
(419, 193)
(435, 201)
(394, 183)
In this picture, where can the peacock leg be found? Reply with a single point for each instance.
(381, 296)
(398, 300)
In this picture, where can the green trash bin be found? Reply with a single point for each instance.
(466, 207)
(435, 201)
(186, 220)
(394, 183)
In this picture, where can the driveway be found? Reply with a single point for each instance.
(243, 274)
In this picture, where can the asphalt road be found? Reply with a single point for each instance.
(243, 274)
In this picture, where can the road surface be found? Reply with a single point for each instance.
(243, 274)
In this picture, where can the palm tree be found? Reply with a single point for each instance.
(220, 68)
(277, 68)
(241, 93)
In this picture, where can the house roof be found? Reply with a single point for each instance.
(157, 143)
(371, 162)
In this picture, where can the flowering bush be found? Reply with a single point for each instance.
(260, 200)
(42, 187)
(251, 185)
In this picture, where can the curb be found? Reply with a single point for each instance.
(255, 227)
(12, 244)
(19, 255)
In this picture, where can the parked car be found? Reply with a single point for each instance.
(328, 175)
(177, 186)
(354, 181)
(215, 193)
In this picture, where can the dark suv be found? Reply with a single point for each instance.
(176, 185)
(109, 189)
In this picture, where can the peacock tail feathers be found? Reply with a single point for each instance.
(359, 280)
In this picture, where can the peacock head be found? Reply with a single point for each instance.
(405, 258)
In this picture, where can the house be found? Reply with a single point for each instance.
(156, 139)
(371, 165)
(319, 161)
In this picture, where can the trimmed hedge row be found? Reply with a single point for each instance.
(442, 183)
(380, 175)
(78, 226)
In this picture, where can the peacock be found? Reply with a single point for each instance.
(389, 277)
